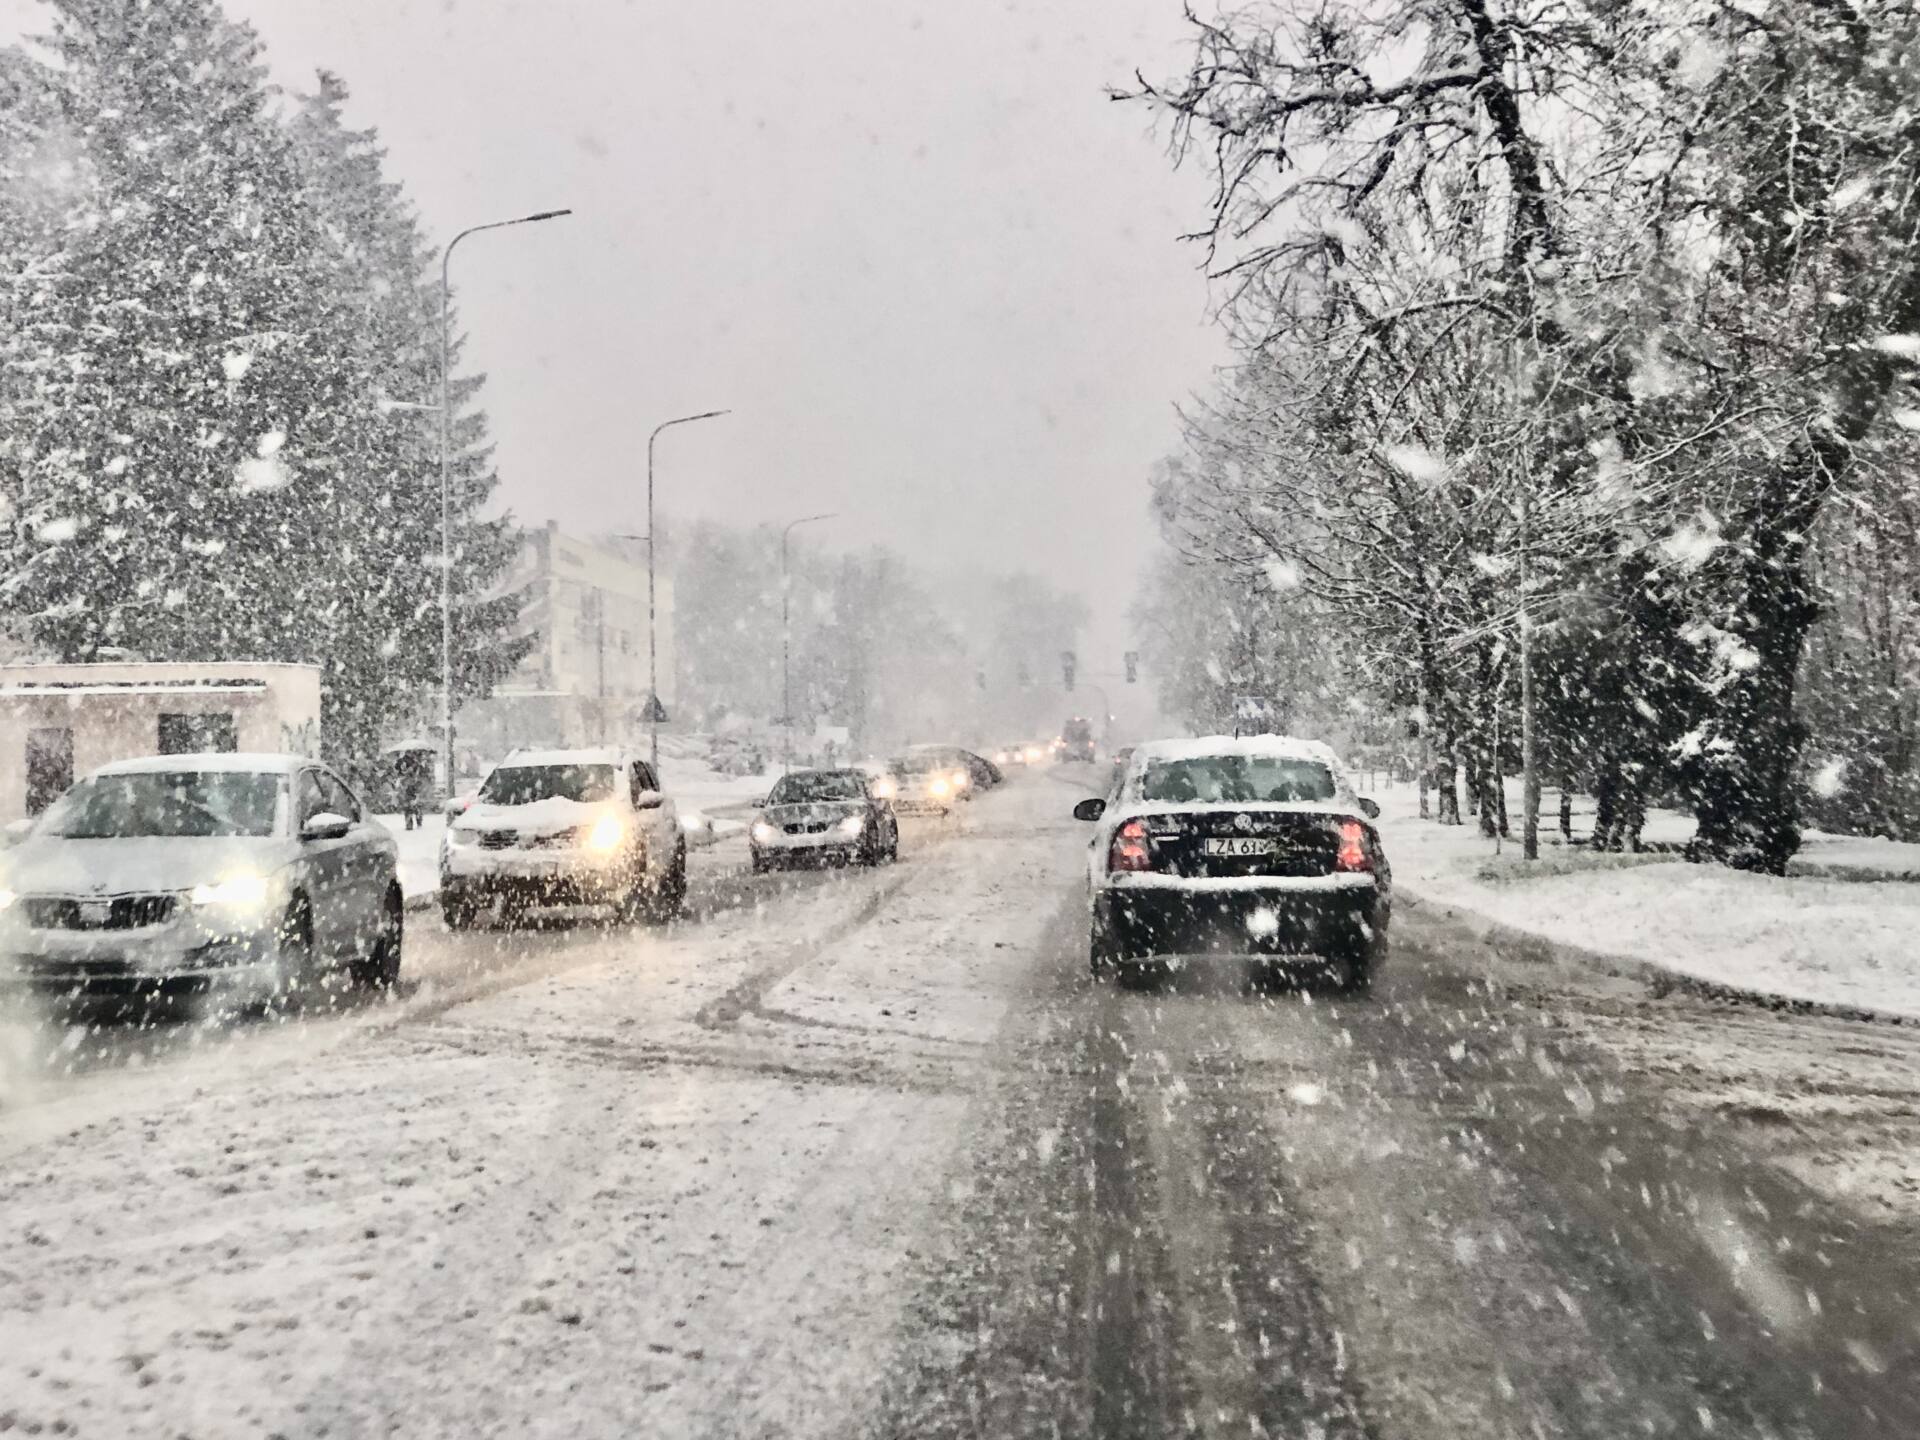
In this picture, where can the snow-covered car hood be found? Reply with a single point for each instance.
(541, 817)
(54, 866)
(814, 810)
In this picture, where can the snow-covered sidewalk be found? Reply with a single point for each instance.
(1808, 937)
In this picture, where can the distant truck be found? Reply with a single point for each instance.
(1076, 739)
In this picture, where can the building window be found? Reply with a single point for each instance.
(198, 734)
(49, 767)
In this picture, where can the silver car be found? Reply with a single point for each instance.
(247, 875)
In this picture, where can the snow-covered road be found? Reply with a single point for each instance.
(863, 1153)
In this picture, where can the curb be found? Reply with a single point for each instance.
(1526, 948)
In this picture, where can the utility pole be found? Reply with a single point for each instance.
(653, 645)
(446, 473)
(786, 644)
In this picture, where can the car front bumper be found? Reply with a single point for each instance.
(179, 958)
(821, 845)
(1292, 920)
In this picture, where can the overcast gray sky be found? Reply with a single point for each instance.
(932, 269)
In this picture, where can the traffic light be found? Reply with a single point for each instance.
(1133, 666)
(1068, 665)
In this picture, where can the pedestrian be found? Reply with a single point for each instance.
(412, 766)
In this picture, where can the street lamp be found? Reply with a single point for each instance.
(446, 474)
(653, 649)
(786, 644)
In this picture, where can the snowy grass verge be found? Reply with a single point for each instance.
(1807, 941)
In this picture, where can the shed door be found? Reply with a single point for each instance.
(49, 767)
(198, 734)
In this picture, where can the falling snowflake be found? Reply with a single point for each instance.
(1417, 463)
(236, 364)
(1283, 575)
(1831, 778)
(259, 476)
(57, 532)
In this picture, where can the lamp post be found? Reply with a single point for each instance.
(786, 643)
(446, 474)
(653, 648)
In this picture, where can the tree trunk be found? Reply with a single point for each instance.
(1745, 803)
(1606, 793)
(1447, 784)
(1566, 815)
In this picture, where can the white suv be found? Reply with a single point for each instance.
(565, 827)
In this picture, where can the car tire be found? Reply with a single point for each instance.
(381, 968)
(1353, 969)
(294, 945)
(458, 911)
(1107, 942)
(660, 902)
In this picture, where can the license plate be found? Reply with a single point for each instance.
(1238, 846)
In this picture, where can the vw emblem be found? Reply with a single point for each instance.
(1243, 822)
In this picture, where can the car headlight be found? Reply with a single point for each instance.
(606, 835)
(938, 785)
(245, 890)
(853, 824)
(7, 897)
(885, 788)
(763, 833)
(961, 779)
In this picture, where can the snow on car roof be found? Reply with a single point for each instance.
(263, 762)
(599, 755)
(1290, 747)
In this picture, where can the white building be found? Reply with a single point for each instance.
(57, 722)
(585, 681)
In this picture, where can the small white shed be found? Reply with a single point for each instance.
(57, 722)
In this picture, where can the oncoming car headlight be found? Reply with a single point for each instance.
(763, 833)
(606, 835)
(886, 787)
(938, 785)
(853, 824)
(245, 890)
(961, 779)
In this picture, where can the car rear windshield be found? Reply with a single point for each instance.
(524, 784)
(823, 785)
(1236, 779)
(184, 803)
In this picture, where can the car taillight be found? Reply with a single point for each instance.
(1129, 850)
(1353, 854)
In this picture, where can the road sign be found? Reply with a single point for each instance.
(653, 712)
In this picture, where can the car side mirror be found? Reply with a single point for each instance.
(1369, 808)
(326, 826)
(1090, 809)
(649, 800)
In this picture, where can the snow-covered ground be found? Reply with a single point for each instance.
(1807, 937)
(668, 1183)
